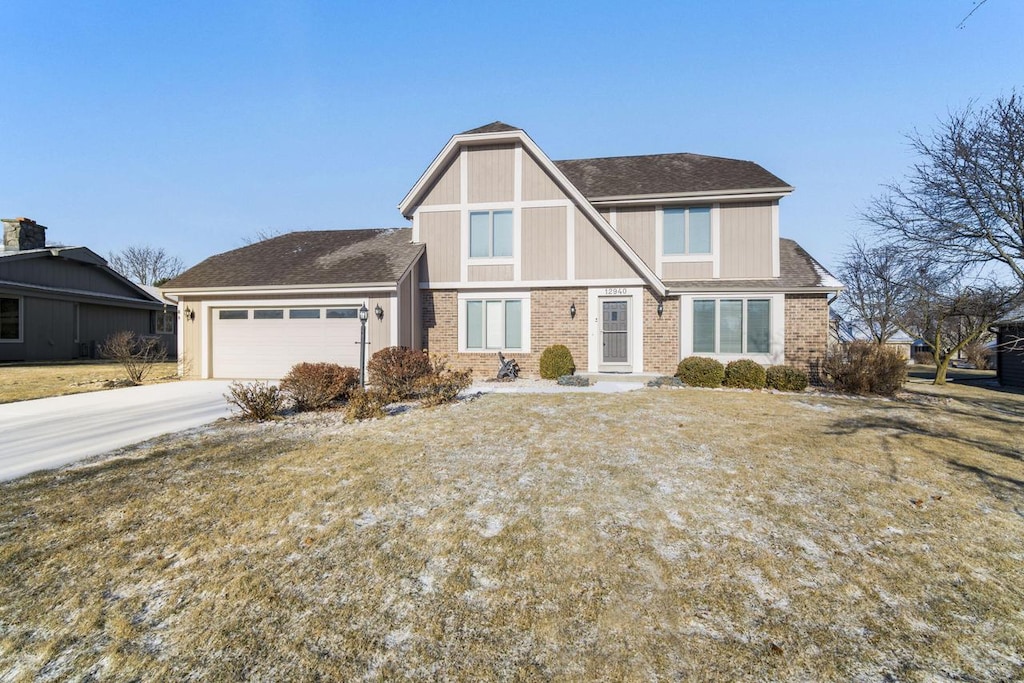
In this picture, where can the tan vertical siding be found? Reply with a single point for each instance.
(746, 240)
(378, 332)
(191, 356)
(490, 273)
(446, 189)
(702, 270)
(491, 172)
(537, 184)
(404, 311)
(595, 257)
(441, 233)
(637, 227)
(544, 248)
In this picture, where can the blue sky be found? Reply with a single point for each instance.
(192, 125)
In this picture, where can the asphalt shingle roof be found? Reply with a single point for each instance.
(314, 257)
(665, 174)
(797, 270)
(494, 127)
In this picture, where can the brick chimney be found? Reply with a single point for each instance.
(23, 233)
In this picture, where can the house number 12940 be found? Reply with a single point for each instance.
(615, 291)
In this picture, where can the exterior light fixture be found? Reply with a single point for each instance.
(379, 312)
(364, 314)
(572, 310)
(661, 308)
(189, 314)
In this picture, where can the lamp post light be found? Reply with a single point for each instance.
(364, 314)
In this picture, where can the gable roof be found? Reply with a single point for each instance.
(308, 258)
(798, 271)
(666, 174)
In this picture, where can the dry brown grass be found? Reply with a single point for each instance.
(662, 534)
(20, 382)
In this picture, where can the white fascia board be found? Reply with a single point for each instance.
(744, 292)
(759, 193)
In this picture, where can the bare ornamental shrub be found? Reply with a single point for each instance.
(396, 369)
(863, 367)
(785, 378)
(364, 404)
(443, 384)
(744, 374)
(924, 358)
(257, 401)
(136, 354)
(556, 361)
(978, 355)
(314, 386)
(697, 371)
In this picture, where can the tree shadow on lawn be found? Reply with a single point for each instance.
(1006, 489)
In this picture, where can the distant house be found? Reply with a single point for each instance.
(1009, 349)
(61, 303)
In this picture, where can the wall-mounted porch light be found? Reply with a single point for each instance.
(379, 312)
(572, 310)
(661, 308)
(189, 314)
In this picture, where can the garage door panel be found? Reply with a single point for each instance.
(267, 349)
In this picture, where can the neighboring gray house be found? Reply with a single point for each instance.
(1010, 349)
(61, 303)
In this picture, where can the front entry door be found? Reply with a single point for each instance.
(615, 331)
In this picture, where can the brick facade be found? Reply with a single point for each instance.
(550, 323)
(806, 332)
(661, 335)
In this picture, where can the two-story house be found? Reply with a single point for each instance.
(631, 262)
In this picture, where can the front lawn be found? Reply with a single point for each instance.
(660, 534)
(23, 381)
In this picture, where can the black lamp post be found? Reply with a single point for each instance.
(364, 314)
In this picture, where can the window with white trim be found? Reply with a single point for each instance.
(490, 234)
(686, 230)
(10, 319)
(732, 325)
(494, 324)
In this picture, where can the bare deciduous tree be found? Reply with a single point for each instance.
(136, 354)
(145, 265)
(262, 235)
(875, 292)
(963, 202)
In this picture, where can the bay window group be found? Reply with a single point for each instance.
(741, 326)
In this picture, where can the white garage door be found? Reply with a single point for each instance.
(264, 343)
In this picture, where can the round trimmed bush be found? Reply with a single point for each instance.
(697, 371)
(785, 378)
(556, 361)
(744, 374)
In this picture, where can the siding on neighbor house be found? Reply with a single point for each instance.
(746, 240)
(1010, 360)
(64, 274)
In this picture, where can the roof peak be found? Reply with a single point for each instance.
(493, 127)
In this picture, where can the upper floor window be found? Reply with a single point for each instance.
(687, 230)
(490, 234)
(10, 319)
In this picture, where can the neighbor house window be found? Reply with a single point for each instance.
(687, 230)
(490, 234)
(163, 322)
(732, 326)
(494, 324)
(10, 319)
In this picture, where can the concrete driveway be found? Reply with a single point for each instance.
(50, 432)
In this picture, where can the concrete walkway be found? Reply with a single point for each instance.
(50, 432)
